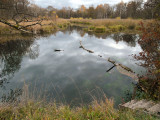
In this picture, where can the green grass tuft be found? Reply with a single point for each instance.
(117, 28)
(101, 29)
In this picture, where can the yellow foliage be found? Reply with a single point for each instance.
(118, 18)
(54, 12)
(80, 18)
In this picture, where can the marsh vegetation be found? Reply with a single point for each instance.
(62, 56)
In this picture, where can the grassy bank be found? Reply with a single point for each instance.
(95, 111)
(91, 25)
(110, 25)
(47, 26)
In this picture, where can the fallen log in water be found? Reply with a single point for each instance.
(111, 61)
(126, 71)
(81, 46)
(117, 64)
(123, 70)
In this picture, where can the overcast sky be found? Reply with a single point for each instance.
(74, 3)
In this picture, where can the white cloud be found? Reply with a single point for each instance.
(74, 3)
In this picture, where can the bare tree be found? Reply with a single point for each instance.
(20, 14)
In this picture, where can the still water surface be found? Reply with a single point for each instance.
(71, 76)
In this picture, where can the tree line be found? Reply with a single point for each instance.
(20, 10)
(23, 11)
(133, 9)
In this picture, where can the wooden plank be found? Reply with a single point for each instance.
(146, 106)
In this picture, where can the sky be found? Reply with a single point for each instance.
(74, 3)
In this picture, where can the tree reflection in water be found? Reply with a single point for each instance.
(11, 54)
(130, 39)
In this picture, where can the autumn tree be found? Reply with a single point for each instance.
(150, 56)
(82, 10)
(107, 11)
(121, 9)
(134, 9)
(154, 6)
(100, 11)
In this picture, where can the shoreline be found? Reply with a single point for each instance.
(97, 26)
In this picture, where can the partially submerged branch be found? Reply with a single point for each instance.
(117, 64)
(111, 68)
(81, 46)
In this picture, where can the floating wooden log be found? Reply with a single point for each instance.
(123, 70)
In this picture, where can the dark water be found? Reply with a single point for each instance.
(71, 76)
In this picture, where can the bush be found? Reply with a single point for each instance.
(100, 29)
(60, 25)
(138, 28)
(117, 28)
(150, 55)
(47, 29)
(91, 28)
(85, 29)
(80, 18)
(132, 26)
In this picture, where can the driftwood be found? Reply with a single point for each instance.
(126, 71)
(81, 46)
(116, 64)
(111, 68)
(123, 70)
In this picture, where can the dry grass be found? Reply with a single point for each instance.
(110, 22)
(112, 25)
(102, 110)
(47, 26)
(31, 109)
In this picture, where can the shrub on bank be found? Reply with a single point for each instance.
(131, 27)
(91, 28)
(117, 28)
(47, 29)
(101, 29)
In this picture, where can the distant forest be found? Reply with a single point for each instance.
(10, 9)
